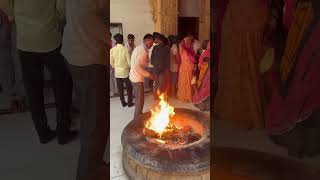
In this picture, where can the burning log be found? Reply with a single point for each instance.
(150, 133)
(174, 135)
(160, 126)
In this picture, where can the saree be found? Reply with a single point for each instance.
(239, 98)
(187, 57)
(289, 11)
(302, 20)
(302, 97)
(221, 7)
(202, 86)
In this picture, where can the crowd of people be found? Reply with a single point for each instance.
(267, 70)
(69, 39)
(162, 65)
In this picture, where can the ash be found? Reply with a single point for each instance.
(175, 136)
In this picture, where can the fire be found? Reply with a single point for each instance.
(160, 116)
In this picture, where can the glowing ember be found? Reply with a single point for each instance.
(160, 116)
(160, 141)
(160, 129)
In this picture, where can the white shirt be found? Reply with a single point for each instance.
(139, 61)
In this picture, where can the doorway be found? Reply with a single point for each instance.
(188, 25)
(115, 28)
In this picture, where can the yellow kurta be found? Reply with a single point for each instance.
(39, 23)
(120, 60)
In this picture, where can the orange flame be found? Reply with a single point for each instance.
(160, 116)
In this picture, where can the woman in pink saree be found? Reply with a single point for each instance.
(293, 115)
(187, 56)
(201, 97)
(288, 15)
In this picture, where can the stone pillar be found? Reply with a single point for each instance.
(165, 16)
(169, 14)
(204, 21)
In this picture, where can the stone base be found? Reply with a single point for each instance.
(136, 171)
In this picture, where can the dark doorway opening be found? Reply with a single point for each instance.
(188, 25)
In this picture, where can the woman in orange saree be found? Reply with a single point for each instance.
(187, 56)
(239, 98)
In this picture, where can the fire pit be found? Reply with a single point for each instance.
(167, 143)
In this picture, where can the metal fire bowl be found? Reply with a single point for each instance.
(193, 157)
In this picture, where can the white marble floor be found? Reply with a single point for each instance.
(23, 157)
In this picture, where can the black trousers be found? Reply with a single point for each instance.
(160, 83)
(32, 64)
(90, 84)
(120, 82)
(139, 97)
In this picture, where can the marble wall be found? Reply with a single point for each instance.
(134, 15)
(146, 16)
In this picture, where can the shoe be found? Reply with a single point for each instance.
(124, 104)
(130, 105)
(50, 135)
(68, 137)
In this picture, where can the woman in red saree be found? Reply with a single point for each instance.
(293, 115)
(187, 56)
(201, 97)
